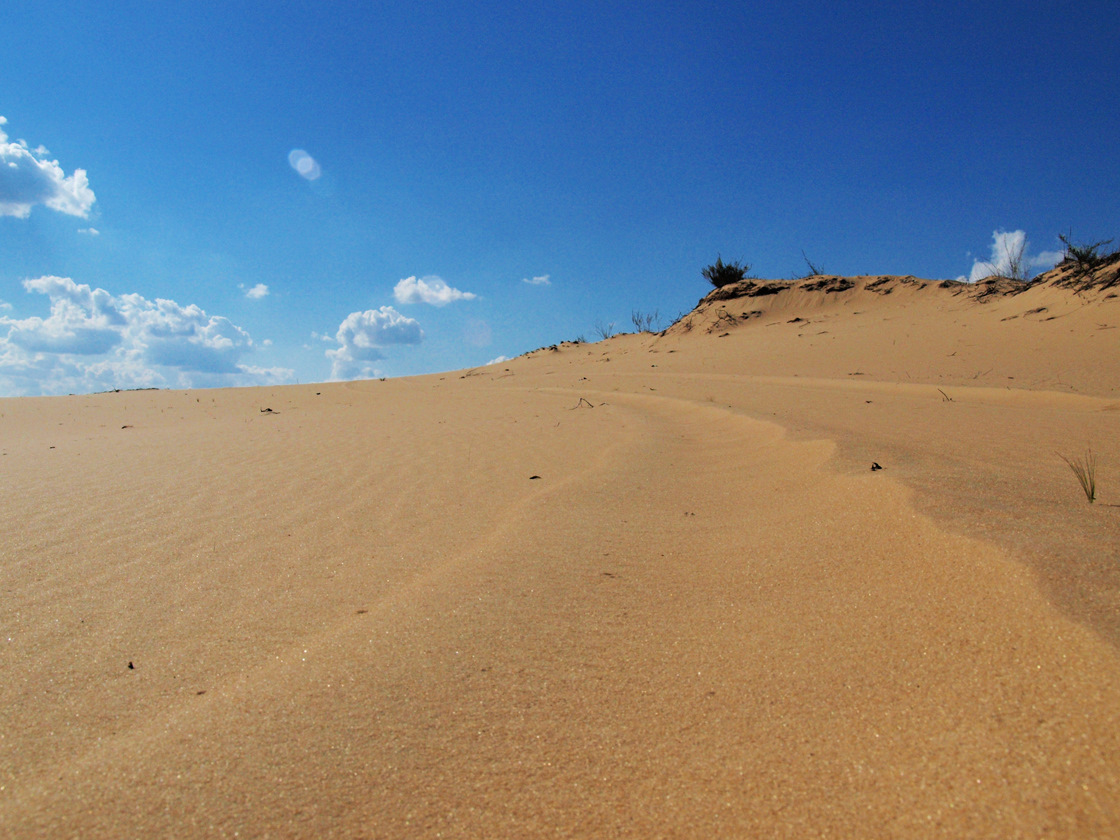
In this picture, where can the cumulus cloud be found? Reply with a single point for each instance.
(257, 292)
(304, 164)
(497, 360)
(92, 340)
(430, 289)
(184, 337)
(361, 337)
(1011, 257)
(83, 321)
(542, 280)
(28, 178)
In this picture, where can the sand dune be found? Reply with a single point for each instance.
(646, 587)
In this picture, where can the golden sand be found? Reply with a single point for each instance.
(648, 587)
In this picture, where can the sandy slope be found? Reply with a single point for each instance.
(648, 587)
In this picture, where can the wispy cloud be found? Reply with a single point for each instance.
(361, 337)
(93, 340)
(477, 333)
(431, 289)
(1011, 256)
(89, 231)
(542, 280)
(257, 292)
(28, 178)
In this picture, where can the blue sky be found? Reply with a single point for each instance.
(482, 179)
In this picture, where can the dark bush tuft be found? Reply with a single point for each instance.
(722, 274)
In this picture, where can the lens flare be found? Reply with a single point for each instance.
(304, 164)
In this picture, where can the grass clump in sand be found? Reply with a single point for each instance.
(814, 269)
(604, 331)
(1085, 468)
(1014, 265)
(721, 274)
(1087, 257)
(645, 321)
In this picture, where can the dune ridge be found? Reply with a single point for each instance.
(644, 587)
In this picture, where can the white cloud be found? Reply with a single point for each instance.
(27, 178)
(429, 289)
(92, 340)
(542, 280)
(257, 292)
(498, 360)
(361, 337)
(89, 231)
(184, 337)
(83, 321)
(1011, 256)
(304, 164)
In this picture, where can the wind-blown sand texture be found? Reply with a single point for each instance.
(648, 587)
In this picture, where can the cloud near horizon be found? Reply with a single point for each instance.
(431, 290)
(28, 178)
(1009, 248)
(361, 337)
(92, 340)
